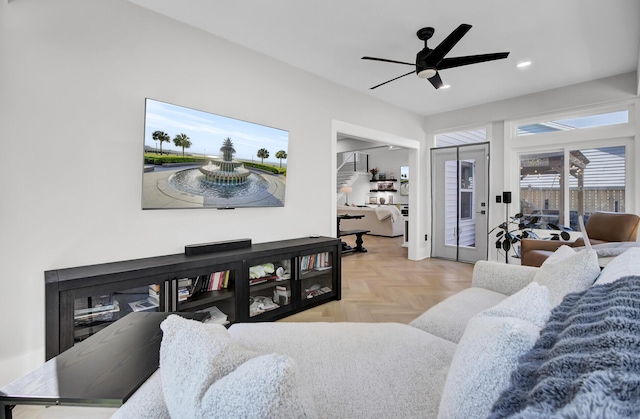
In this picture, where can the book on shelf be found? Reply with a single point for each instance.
(318, 261)
(216, 281)
(154, 292)
(183, 293)
(141, 305)
(188, 287)
(262, 279)
(215, 315)
(317, 292)
(99, 312)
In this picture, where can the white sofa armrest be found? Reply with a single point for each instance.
(501, 277)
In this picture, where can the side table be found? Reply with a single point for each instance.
(103, 370)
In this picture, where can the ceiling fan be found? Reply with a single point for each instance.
(430, 61)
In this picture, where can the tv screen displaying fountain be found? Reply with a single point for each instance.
(195, 159)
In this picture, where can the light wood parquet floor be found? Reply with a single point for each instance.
(382, 285)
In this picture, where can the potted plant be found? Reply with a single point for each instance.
(374, 172)
(508, 237)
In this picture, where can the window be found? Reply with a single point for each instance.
(461, 138)
(590, 121)
(596, 182)
(541, 186)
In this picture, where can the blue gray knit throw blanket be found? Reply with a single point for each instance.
(586, 363)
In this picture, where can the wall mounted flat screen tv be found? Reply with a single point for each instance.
(195, 159)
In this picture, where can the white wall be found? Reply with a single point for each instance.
(73, 78)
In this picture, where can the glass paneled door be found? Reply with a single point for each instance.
(459, 181)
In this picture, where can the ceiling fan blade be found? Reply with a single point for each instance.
(445, 46)
(387, 61)
(470, 59)
(389, 81)
(436, 81)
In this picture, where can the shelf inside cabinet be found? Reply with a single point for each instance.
(268, 284)
(205, 298)
(314, 272)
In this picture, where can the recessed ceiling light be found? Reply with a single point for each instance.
(524, 64)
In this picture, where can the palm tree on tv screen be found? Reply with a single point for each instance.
(162, 137)
(263, 153)
(227, 149)
(281, 155)
(181, 140)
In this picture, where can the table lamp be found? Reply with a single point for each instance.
(346, 190)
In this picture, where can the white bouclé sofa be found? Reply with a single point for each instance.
(453, 361)
(383, 220)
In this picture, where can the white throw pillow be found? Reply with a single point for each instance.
(263, 387)
(196, 357)
(565, 272)
(628, 263)
(532, 303)
(486, 355)
(561, 253)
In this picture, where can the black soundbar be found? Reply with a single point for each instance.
(196, 249)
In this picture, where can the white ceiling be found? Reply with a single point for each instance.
(568, 41)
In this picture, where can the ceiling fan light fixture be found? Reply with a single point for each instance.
(524, 64)
(427, 73)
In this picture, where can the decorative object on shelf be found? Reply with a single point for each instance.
(390, 199)
(373, 200)
(385, 186)
(374, 172)
(508, 237)
(382, 176)
(346, 190)
(404, 180)
(382, 200)
(392, 174)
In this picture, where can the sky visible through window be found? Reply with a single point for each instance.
(590, 121)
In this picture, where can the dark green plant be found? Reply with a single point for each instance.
(520, 227)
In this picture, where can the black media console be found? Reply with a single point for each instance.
(255, 282)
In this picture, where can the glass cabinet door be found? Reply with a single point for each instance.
(96, 309)
(270, 288)
(210, 292)
(316, 277)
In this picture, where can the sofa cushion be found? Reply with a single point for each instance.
(263, 387)
(532, 303)
(568, 271)
(480, 370)
(627, 263)
(146, 403)
(449, 318)
(195, 359)
(501, 277)
(359, 370)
